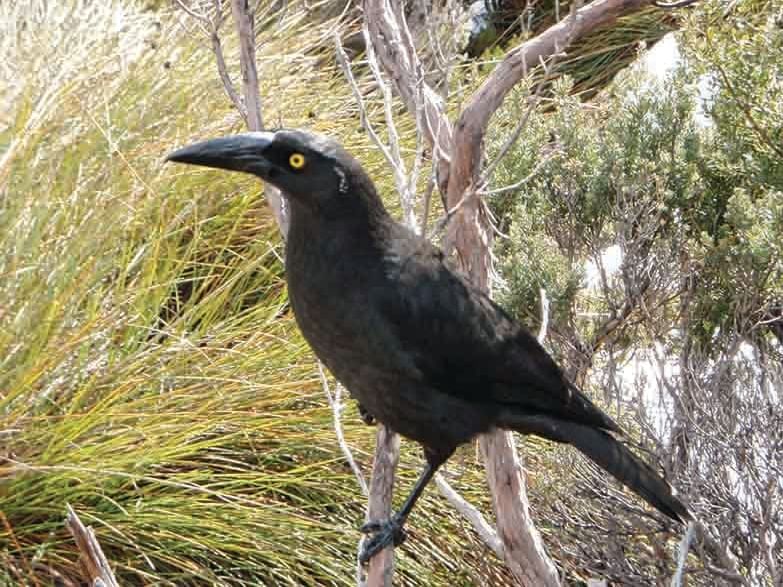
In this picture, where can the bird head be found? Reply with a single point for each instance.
(309, 169)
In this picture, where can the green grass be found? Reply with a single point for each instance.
(151, 374)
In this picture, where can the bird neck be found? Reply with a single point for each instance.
(322, 235)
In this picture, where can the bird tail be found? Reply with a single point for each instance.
(612, 456)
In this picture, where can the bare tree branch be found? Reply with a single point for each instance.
(225, 78)
(469, 235)
(673, 5)
(243, 22)
(683, 555)
(544, 316)
(380, 569)
(390, 38)
(398, 164)
(342, 61)
(201, 19)
(518, 184)
(471, 514)
(524, 550)
(533, 102)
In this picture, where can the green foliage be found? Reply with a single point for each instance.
(742, 162)
(614, 165)
(714, 190)
(681, 181)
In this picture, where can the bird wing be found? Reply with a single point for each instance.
(464, 344)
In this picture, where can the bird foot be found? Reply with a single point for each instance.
(384, 534)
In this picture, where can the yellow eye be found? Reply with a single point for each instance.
(296, 161)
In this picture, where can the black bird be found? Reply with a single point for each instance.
(421, 349)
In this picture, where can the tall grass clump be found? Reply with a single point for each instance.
(151, 374)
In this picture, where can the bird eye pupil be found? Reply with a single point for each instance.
(296, 160)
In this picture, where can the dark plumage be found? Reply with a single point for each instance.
(418, 346)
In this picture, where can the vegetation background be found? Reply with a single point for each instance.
(152, 376)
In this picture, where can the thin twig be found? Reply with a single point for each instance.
(342, 61)
(225, 78)
(199, 17)
(468, 511)
(211, 28)
(425, 213)
(397, 162)
(444, 220)
(671, 5)
(413, 179)
(337, 407)
(515, 186)
(683, 555)
(544, 316)
(533, 102)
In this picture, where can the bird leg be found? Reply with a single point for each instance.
(391, 531)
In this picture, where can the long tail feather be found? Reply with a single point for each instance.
(612, 456)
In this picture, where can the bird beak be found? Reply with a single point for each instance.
(243, 152)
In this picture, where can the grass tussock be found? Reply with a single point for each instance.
(151, 374)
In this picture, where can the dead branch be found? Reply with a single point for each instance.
(518, 184)
(96, 566)
(380, 569)
(391, 40)
(673, 5)
(524, 550)
(683, 556)
(471, 514)
(249, 103)
(469, 236)
(335, 402)
(243, 22)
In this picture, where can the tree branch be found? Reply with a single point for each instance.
(471, 514)
(249, 104)
(243, 22)
(469, 236)
(673, 5)
(390, 37)
(96, 566)
(380, 569)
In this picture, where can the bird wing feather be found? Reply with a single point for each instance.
(464, 344)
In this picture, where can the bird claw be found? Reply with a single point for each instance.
(384, 533)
